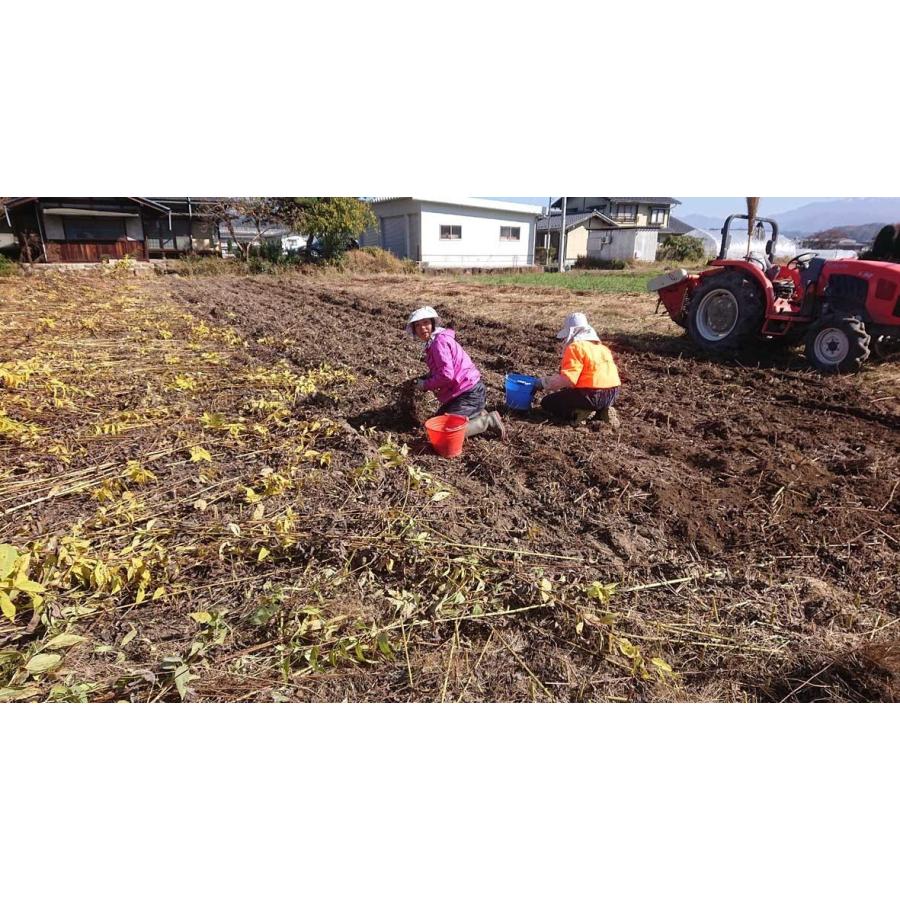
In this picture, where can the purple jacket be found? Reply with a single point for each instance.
(451, 371)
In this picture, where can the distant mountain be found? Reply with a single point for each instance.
(862, 233)
(819, 215)
(840, 213)
(707, 223)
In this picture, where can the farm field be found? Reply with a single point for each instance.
(604, 282)
(211, 490)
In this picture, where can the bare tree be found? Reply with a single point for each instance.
(262, 214)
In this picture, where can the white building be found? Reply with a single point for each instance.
(455, 233)
(622, 243)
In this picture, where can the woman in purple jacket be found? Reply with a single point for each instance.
(452, 376)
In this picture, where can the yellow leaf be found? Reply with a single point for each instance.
(159, 592)
(128, 637)
(7, 607)
(662, 665)
(263, 553)
(598, 621)
(29, 587)
(596, 590)
(8, 557)
(43, 662)
(439, 495)
(252, 496)
(202, 617)
(63, 640)
(199, 454)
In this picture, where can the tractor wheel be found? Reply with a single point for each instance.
(837, 344)
(725, 313)
(884, 346)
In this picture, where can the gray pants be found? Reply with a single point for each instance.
(468, 404)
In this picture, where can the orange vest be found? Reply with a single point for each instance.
(589, 364)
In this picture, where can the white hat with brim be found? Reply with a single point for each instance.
(423, 312)
(577, 325)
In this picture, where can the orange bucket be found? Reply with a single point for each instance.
(446, 434)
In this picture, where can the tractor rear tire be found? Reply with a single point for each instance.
(838, 344)
(725, 313)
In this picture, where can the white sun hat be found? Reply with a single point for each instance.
(577, 326)
(423, 312)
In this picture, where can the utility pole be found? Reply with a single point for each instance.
(562, 237)
(547, 233)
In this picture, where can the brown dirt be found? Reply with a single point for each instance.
(747, 510)
(772, 474)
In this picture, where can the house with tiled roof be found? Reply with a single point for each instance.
(605, 228)
(638, 212)
(579, 227)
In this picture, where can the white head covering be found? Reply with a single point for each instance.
(577, 328)
(423, 312)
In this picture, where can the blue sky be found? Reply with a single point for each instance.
(712, 206)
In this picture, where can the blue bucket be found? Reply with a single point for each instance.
(519, 390)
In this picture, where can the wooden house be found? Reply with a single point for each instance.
(95, 229)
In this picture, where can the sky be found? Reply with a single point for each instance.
(711, 206)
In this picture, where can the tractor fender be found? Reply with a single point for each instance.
(674, 297)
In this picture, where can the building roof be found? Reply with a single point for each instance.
(13, 202)
(661, 201)
(676, 226)
(473, 202)
(553, 223)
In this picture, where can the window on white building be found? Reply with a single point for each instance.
(625, 212)
(658, 215)
(451, 232)
(510, 233)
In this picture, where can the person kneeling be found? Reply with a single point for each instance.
(452, 376)
(588, 380)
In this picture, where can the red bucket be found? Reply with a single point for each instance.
(446, 434)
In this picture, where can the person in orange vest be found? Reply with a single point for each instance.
(588, 381)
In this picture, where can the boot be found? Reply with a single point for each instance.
(611, 418)
(478, 424)
(486, 421)
(497, 425)
(582, 416)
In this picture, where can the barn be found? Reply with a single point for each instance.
(93, 229)
(448, 233)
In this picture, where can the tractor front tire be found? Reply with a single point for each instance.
(884, 346)
(726, 313)
(838, 344)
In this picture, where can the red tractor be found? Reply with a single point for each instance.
(843, 309)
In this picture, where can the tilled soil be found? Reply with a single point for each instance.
(220, 490)
(764, 494)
